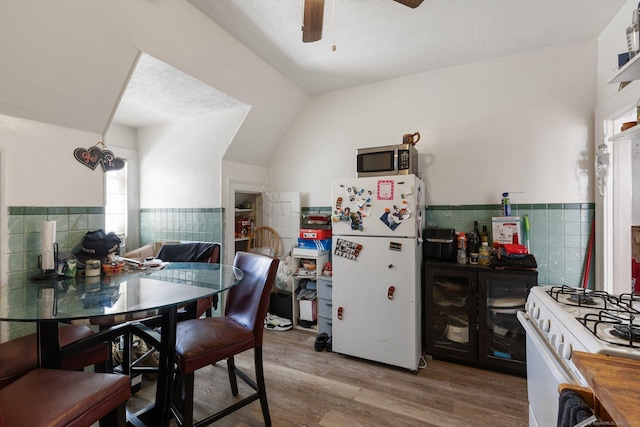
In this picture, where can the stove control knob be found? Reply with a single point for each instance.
(528, 306)
(545, 325)
(556, 340)
(564, 350)
(535, 313)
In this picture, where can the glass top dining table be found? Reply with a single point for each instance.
(122, 300)
(119, 295)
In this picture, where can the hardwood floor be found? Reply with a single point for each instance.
(309, 388)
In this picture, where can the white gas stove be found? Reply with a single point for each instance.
(561, 319)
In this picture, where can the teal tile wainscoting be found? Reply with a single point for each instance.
(24, 236)
(559, 234)
(558, 237)
(182, 224)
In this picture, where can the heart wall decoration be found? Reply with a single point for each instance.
(94, 156)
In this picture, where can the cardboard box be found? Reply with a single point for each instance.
(315, 233)
(308, 252)
(308, 310)
(321, 245)
(506, 230)
(243, 227)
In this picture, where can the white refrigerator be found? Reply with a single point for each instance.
(376, 262)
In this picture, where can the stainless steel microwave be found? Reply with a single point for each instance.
(399, 159)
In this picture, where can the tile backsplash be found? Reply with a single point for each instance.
(183, 224)
(558, 237)
(559, 234)
(24, 236)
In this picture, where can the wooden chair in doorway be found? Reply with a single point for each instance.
(264, 240)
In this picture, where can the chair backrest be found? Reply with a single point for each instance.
(264, 240)
(248, 301)
(190, 252)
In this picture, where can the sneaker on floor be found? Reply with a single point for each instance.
(277, 323)
(321, 341)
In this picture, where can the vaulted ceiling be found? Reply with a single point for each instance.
(381, 39)
(66, 63)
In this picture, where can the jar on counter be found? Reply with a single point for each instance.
(484, 256)
(462, 251)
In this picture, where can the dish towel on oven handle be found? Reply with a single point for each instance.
(573, 411)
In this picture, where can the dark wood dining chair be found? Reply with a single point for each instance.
(207, 340)
(194, 252)
(20, 356)
(57, 398)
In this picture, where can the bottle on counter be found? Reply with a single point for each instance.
(484, 255)
(506, 205)
(474, 245)
(462, 251)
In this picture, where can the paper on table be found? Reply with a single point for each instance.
(46, 246)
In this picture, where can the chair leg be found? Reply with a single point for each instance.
(187, 401)
(115, 418)
(262, 391)
(107, 365)
(233, 380)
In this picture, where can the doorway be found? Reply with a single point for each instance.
(260, 206)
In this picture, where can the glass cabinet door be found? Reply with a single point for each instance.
(450, 313)
(502, 340)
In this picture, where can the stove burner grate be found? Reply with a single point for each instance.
(631, 301)
(626, 332)
(582, 299)
(612, 326)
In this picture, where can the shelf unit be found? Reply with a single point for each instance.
(320, 258)
(325, 305)
(629, 134)
(250, 214)
(629, 72)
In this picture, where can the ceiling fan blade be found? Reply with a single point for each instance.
(312, 22)
(411, 3)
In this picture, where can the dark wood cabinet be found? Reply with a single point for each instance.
(470, 315)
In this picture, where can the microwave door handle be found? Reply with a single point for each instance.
(395, 160)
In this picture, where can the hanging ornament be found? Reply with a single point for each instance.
(94, 156)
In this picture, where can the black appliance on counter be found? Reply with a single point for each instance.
(440, 244)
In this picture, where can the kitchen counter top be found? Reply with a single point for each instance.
(615, 382)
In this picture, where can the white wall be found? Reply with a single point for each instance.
(522, 123)
(41, 169)
(182, 161)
